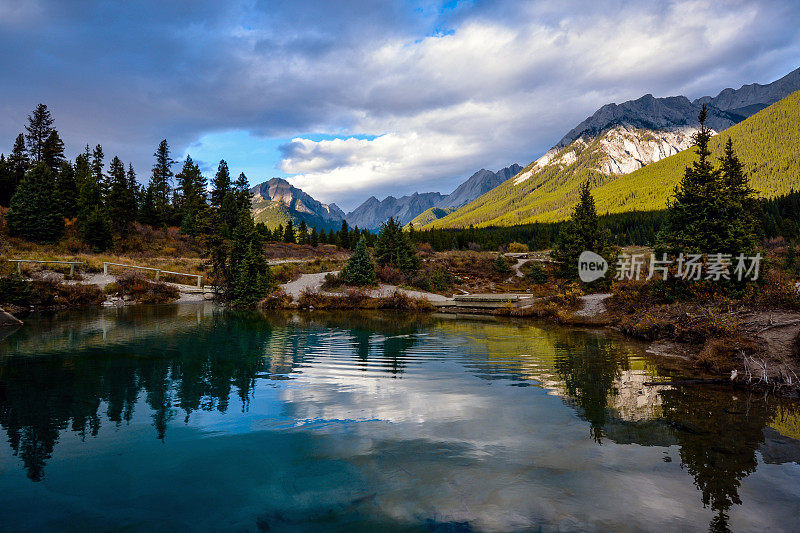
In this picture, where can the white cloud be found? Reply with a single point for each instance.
(501, 91)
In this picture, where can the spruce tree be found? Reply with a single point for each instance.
(244, 275)
(241, 189)
(97, 170)
(39, 128)
(344, 235)
(67, 190)
(161, 183)
(96, 230)
(302, 233)
(121, 201)
(740, 207)
(360, 269)
(288, 233)
(15, 167)
(393, 247)
(582, 232)
(314, 237)
(695, 216)
(53, 152)
(221, 184)
(34, 214)
(191, 197)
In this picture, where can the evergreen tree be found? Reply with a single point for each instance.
(97, 170)
(16, 166)
(83, 169)
(344, 235)
(229, 214)
(288, 233)
(96, 230)
(278, 234)
(67, 188)
(695, 216)
(332, 237)
(581, 233)
(314, 237)
(221, 184)
(190, 197)
(302, 233)
(394, 248)
(121, 201)
(34, 213)
(740, 207)
(161, 183)
(241, 269)
(360, 269)
(241, 189)
(39, 128)
(53, 152)
(135, 190)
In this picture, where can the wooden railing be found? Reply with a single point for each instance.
(20, 261)
(158, 271)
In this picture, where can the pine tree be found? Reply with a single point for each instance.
(190, 197)
(67, 190)
(135, 190)
(581, 233)
(695, 216)
(344, 235)
(394, 248)
(314, 237)
(53, 152)
(97, 170)
(39, 127)
(740, 207)
(302, 233)
(241, 189)
(221, 184)
(161, 183)
(121, 201)
(34, 214)
(16, 166)
(242, 271)
(288, 233)
(96, 230)
(360, 269)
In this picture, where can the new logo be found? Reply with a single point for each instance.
(591, 266)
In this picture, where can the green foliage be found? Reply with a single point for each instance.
(582, 232)
(121, 200)
(500, 265)
(13, 171)
(239, 267)
(67, 190)
(39, 128)
(393, 247)
(221, 184)
(713, 209)
(160, 185)
(536, 274)
(96, 230)
(360, 269)
(34, 213)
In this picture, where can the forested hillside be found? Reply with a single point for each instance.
(766, 142)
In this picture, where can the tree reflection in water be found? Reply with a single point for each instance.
(60, 375)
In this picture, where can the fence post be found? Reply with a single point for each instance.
(198, 281)
(19, 267)
(71, 269)
(158, 274)
(105, 269)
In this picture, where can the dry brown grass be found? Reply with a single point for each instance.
(134, 286)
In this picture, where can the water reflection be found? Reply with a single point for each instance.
(426, 376)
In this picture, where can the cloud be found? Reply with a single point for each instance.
(438, 91)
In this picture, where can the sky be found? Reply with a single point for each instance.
(352, 98)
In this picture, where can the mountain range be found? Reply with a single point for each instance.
(276, 202)
(620, 139)
(633, 153)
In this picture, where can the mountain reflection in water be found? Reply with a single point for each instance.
(375, 420)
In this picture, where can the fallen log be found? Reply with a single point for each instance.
(7, 319)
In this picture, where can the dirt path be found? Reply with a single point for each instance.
(311, 282)
(593, 304)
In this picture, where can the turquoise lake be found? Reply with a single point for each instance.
(188, 417)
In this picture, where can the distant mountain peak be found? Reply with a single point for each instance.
(276, 201)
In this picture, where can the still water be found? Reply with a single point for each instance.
(188, 417)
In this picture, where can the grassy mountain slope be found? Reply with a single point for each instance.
(430, 215)
(274, 213)
(767, 143)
